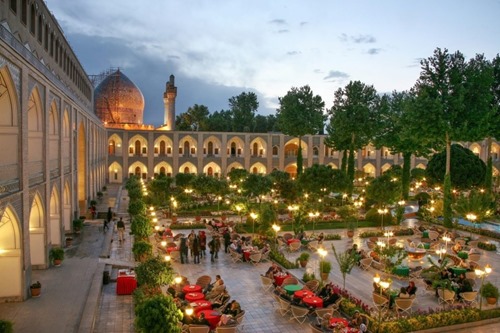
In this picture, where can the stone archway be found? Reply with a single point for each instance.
(82, 169)
(67, 208)
(10, 255)
(55, 218)
(37, 233)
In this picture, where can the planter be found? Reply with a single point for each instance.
(324, 276)
(350, 233)
(491, 300)
(57, 262)
(197, 218)
(35, 292)
(303, 263)
(69, 242)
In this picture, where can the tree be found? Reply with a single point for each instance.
(243, 108)
(183, 180)
(467, 170)
(300, 113)
(209, 187)
(384, 189)
(196, 117)
(158, 314)
(256, 185)
(154, 273)
(447, 90)
(159, 190)
(267, 216)
(479, 204)
(346, 261)
(237, 175)
(353, 120)
(220, 121)
(317, 178)
(283, 185)
(494, 129)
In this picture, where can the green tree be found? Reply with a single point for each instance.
(283, 185)
(243, 108)
(158, 314)
(209, 187)
(237, 176)
(267, 217)
(494, 129)
(447, 90)
(194, 119)
(384, 190)
(317, 178)
(256, 185)
(346, 261)
(159, 190)
(154, 273)
(300, 113)
(353, 120)
(220, 121)
(183, 180)
(481, 205)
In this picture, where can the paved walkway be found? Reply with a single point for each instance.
(73, 297)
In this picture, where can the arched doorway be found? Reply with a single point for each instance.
(137, 147)
(137, 171)
(255, 149)
(186, 170)
(162, 148)
(233, 148)
(82, 169)
(186, 148)
(111, 148)
(10, 258)
(162, 171)
(37, 233)
(55, 218)
(210, 171)
(210, 148)
(67, 208)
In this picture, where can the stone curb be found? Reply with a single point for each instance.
(87, 321)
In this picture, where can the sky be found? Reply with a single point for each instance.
(218, 49)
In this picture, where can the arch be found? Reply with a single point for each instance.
(315, 151)
(167, 169)
(421, 166)
(259, 147)
(67, 200)
(188, 167)
(275, 150)
(291, 169)
(66, 124)
(111, 147)
(55, 218)
(385, 167)
(82, 168)
(9, 123)
(139, 169)
(10, 254)
(163, 146)
(292, 147)
(8, 99)
(476, 149)
(211, 146)
(115, 145)
(235, 147)
(369, 152)
(333, 165)
(187, 146)
(37, 232)
(369, 170)
(35, 132)
(212, 169)
(258, 168)
(115, 173)
(53, 136)
(137, 145)
(495, 151)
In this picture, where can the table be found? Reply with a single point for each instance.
(278, 279)
(313, 301)
(191, 297)
(292, 288)
(191, 288)
(458, 270)
(201, 305)
(401, 270)
(212, 317)
(172, 248)
(303, 293)
(125, 284)
(246, 255)
(425, 234)
(463, 255)
(292, 240)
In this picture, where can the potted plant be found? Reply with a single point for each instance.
(490, 292)
(6, 326)
(100, 195)
(77, 225)
(36, 289)
(142, 250)
(69, 241)
(325, 267)
(303, 258)
(350, 229)
(56, 255)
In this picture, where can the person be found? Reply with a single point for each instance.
(226, 320)
(211, 248)
(108, 219)
(320, 238)
(403, 293)
(227, 241)
(203, 243)
(356, 320)
(121, 229)
(221, 299)
(195, 248)
(184, 251)
(217, 246)
(457, 248)
(233, 309)
(93, 211)
(325, 322)
(202, 320)
(411, 289)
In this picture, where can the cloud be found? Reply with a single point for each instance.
(358, 39)
(283, 31)
(303, 23)
(278, 22)
(317, 71)
(291, 53)
(374, 51)
(334, 75)
(415, 63)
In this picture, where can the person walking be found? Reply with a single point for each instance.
(211, 247)
(196, 249)
(108, 219)
(227, 240)
(203, 243)
(121, 229)
(217, 247)
(184, 251)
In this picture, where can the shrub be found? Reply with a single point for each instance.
(77, 224)
(158, 314)
(6, 326)
(487, 246)
(325, 266)
(282, 260)
(489, 290)
(141, 227)
(154, 272)
(56, 253)
(176, 226)
(308, 277)
(304, 256)
(368, 234)
(142, 249)
(333, 237)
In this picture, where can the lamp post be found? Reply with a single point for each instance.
(219, 198)
(446, 239)
(254, 217)
(313, 216)
(239, 208)
(322, 253)
(482, 273)
(292, 209)
(382, 286)
(276, 229)
(471, 217)
(441, 251)
(382, 211)
(344, 196)
(388, 234)
(358, 204)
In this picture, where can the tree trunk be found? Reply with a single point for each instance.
(299, 157)
(448, 155)
(405, 182)
(488, 181)
(350, 169)
(447, 211)
(343, 165)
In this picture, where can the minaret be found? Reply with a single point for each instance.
(169, 101)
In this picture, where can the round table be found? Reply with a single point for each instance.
(458, 270)
(401, 270)
(303, 293)
(201, 305)
(278, 279)
(292, 240)
(173, 248)
(335, 321)
(313, 301)
(191, 297)
(463, 255)
(292, 288)
(246, 255)
(211, 316)
(191, 288)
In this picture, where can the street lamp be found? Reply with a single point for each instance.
(322, 253)
(219, 198)
(382, 211)
(312, 216)
(239, 208)
(441, 251)
(382, 286)
(471, 217)
(276, 229)
(254, 217)
(482, 273)
(388, 234)
(446, 239)
(344, 196)
(293, 208)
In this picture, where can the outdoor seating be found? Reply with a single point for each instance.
(239, 320)
(322, 311)
(265, 257)
(365, 263)
(312, 285)
(469, 298)
(294, 247)
(225, 329)
(313, 246)
(289, 280)
(335, 306)
(255, 258)
(299, 313)
(315, 329)
(470, 275)
(199, 329)
(287, 236)
(235, 256)
(175, 256)
(267, 283)
(203, 281)
(474, 257)
(380, 301)
(446, 296)
(433, 235)
(284, 306)
(403, 305)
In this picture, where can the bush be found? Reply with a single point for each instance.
(158, 314)
(154, 272)
(487, 246)
(177, 226)
(489, 290)
(141, 227)
(77, 224)
(368, 234)
(304, 256)
(142, 249)
(282, 260)
(56, 253)
(325, 266)
(308, 277)
(6, 326)
(333, 237)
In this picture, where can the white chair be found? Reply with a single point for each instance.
(239, 320)
(299, 313)
(199, 329)
(289, 280)
(469, 298)
(226, 329)
(315, 329)
(265, 257)
(380, 301)
(284, 306)
(255, 258)
(236, 257)
(474, 257)
(446, 296)
(312, 285)
(320, 312)
(403, 305)
(267, 283)
(365, 263)
(294, 247)
(313, 246)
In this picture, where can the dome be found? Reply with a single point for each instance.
(117, 100)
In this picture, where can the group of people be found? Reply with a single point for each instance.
(195, 246)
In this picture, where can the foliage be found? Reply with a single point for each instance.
(333, 237)
(181, 226)
(154, 272)
(256, 185)
(304, 256)
(384, 189)
(183, 180)
(392, 255)
(346, 261)
(308, 277)
(159, 190)
(282, 260)
(480, 204)
(158, 314)
(489, 290)
(6, 326)
(368, 234)
(283, 185)
(487, 246)
(141, 227)
(467, 169)
(325, 266)
(136, 207)
(56, 253)
(267, 216)
(243, 108)
(36, 285)
(318, 177)
(77, 224)
(373, 216)
(141, 248)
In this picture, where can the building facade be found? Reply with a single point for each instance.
(54, 146)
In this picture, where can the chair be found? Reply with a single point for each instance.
(335, 306)
(415, 274)
(380, 301)
(239, 320)
(294, 247)
(470, 275)
(199, 329)
(289, 280)
(446, 296)
(378, 265)
(265, 257)
(312, 285)
(320, 312)
(469, 297)
(266, 282)
(315, 329)
(365, 263)
(175, 256)
(284, 306)
(474, 257)
(203, 281)
(287, 236)
(281, 244)
(299, 313)
(403, 305)
(226, 329)
(366, 320)
(235, 256)
(460, 241)
(255, 258)
(433, 235)
(313, 246)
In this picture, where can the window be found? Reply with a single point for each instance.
(162, 170)
(40, 29)
(24, 11)
(111, 148)
(210, 171)
(137, 147)
(233, 148)
(275, 151)
(162, 147)
(169, 150)
(13, 6)
(193, 151)
(46, 41)
(315, 151)
(144, 151)
(210, 148)
(255, 149)
(32, 19)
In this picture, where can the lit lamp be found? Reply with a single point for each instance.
(292, 208)
(312, 216)
(254, 217)
(276, 229)
(446, 239)
(382, 211)
(163, 243)
(178, 279)
(219, 198)
(471, 217)
(239, 208)
(388, 234)
(157, 228)
(322, 253)
(189, 311)
(151, 208)
(482, 273)
(441, 252)
(168, 258)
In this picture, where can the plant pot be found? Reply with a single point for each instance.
(198, 218)
(69, 241)
(174, 219)
(350, 233)
(35, 292)
(324, 276)
(223, 217)
(303, 263)
(57, 262)
(491, 300)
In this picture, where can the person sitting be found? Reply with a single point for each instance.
(331, 298)
(202, 320)
(320, 238)
(356, 320)
(218, 282)
(324, 322)
(411, 289)
(221, 299)
(233, 309)
(226, 320)
(403, 293)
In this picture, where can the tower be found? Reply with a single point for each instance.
(169, 101)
